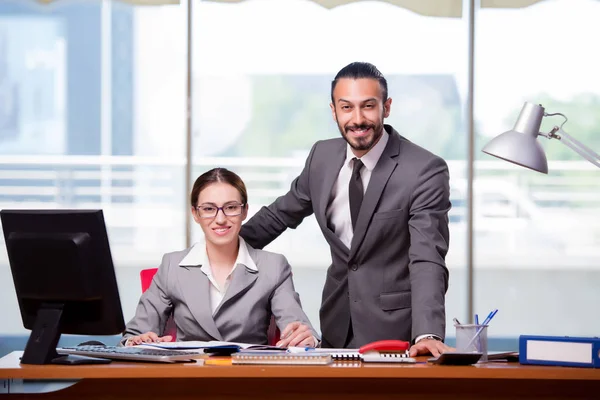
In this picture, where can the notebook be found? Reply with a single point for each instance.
(213, 344)
(354, 355)
(265, 357)
(346, 356)
(387, 358)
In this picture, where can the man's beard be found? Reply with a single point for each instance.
(365, 142)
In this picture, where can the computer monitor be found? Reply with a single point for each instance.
(64, 278)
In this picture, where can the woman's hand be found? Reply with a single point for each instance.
(148, 337)
(297, 334)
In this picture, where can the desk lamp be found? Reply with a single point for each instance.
(520, 145)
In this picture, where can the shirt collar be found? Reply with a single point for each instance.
(372, 157)
(197, 257)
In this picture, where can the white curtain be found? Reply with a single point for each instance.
(140, 2)
(507, 3)
(433, 8)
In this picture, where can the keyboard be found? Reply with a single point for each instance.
(132, 353)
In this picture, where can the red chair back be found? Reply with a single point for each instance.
(146, 276)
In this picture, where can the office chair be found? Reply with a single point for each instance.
(146, 276)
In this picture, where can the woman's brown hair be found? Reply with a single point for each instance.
(218, 175)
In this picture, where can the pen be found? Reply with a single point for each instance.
(299, 349)
(456, 321)
(477, 323)
(483, 325)
(489, 317)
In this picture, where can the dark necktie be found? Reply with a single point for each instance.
(355, 191)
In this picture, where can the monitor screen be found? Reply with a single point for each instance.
(63, 275)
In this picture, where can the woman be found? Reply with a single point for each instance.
(224, 289)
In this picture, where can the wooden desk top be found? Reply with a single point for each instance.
(10, 368)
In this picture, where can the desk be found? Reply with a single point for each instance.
(341, 380)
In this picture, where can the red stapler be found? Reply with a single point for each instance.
(385, 346)
(386, 351)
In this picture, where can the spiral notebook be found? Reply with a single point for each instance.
(354, 355)
(373, 357)
(346, 356)
(275, 357)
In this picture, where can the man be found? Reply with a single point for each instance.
(382, 204)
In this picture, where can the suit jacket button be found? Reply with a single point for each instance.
(354, 267)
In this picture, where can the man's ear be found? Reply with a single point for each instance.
(387, 105)
(333, 111)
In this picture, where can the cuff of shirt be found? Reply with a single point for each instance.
(421, 337)
(317, 342)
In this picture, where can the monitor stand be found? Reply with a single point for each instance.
(41, 346)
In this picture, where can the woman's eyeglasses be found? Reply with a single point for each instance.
(211, 210)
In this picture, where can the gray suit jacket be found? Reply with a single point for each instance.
(392, 282)
(243, 315)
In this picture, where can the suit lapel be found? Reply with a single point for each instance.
(196, 291)
(242, 279)
(379, 178)
(329, 177)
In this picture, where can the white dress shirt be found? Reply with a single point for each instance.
(338, 210)
(198, 256)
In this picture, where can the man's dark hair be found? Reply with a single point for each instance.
(360, 70)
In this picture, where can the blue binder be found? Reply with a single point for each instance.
(559, 350)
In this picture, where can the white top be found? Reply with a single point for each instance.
(198, 256)
(338, 211)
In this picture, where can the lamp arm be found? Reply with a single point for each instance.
(575, 145)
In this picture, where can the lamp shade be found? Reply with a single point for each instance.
(519, 145)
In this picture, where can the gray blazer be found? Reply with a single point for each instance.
(243, 315)
(392, 282)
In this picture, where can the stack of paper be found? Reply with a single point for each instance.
(213, 346)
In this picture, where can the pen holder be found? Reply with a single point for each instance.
(472, 338)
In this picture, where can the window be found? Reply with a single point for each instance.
(542, 271)
(262, 101)
(87, 94)
(93, 115)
